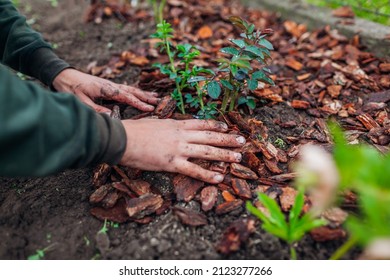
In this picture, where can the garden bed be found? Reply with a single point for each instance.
(35, 213)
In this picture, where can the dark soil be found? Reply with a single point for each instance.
(35, 213)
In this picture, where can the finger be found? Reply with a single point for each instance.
(214, 138)
(146, 96)
(133, 101)
(204, 125)
(195, 171)
(211, 153)
(86, 100)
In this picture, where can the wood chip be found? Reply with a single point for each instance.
(287, 198)
(236, 235)
(208, 197)
(205, 32)
(190, 217)
(237, 119)
(300, 104)
(384, 67)
(227, 196)
(185, 187)
(325, 233)
(303, 77)
(367, 121)
(335, 215)
(243, 172)
(165, 107)
(334, 90)
(139, 187)
(101, 174)
(284, 177)
(228, 206)
(98, 195)
(116, 214)
(251, 160)
(219, 166)
(343, 12)
(294, 64)
(143, 206)
(272, 165)
(241, 188)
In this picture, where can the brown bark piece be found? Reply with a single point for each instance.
(367, 121)
(122, 187)
(294, 64)
(241, 188)
(287, 198)
(139, 187)
(284, 177)
(165, 107)
(99, 194)
(242, 172)
(208, 197)
(343, 12)
(334, 90)
(219, 166)
(325, 233)
(228, 206)
(190, 217)
(237, 119)
(384, 67)
(335, 215)
(251, 160)
(272, 165)
(300, 104)
(116, 214)
(185, 187)
(143, 206)
(227, 196)
(235, 236)
(101, 174)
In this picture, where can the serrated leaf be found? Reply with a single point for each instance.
(243, 63)
(238, 42)
(213, 89)
(266, 43)
(261, 76)
(226, 84)
(251, 28)
(230, 50)
(237, 21)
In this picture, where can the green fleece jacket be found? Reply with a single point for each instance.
(43, 132)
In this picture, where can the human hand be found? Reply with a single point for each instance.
(166, 145)
(88, 88)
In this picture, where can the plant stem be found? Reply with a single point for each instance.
(173, 69)
(293, 252)
(161, 10)
(200, 97)
(227, 95)
(344, 248)
(233, 100)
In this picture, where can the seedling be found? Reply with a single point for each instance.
(40, 253)
(290, 230)
(104, 229)
(239, 72)
(280, 143)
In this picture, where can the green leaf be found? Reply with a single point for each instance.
(261, 76)
(233, 69)
(238, 42)
(196, 79)
(255, 50)
(226, 84)
(230, 50)
(213, 89)
(243, 63)
(266, 43)
(251, 28)
(253, 84)
(251, 103)
(277, 216)
(237, 21)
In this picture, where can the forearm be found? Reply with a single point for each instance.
(42, 133)
(23, 49)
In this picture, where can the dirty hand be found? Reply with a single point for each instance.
(88, 88)
(166, 145)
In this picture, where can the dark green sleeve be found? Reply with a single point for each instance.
(42, 132)
(23, 49)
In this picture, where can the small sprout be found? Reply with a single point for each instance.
(280, 143)
(290, 230)
(40, 253)
(87, 242)
(113, 224)
(104, 229)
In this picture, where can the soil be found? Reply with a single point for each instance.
(38, 212)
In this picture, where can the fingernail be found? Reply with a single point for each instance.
(223, 125)
(240, 139)
(238, 157)
(218, 178)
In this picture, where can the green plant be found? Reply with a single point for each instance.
(239, 72)
(280, 143)
(290, 229)
(40, 253)
(104, 228)
(365, 171)
(186, 77)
